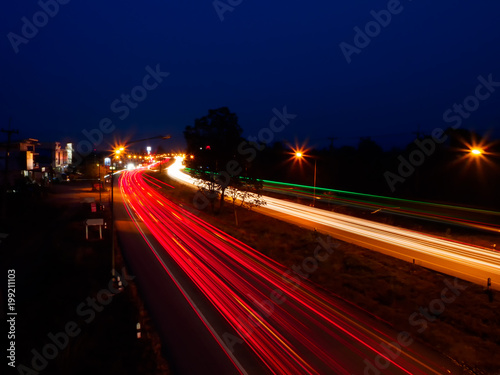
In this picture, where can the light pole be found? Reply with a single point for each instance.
(116, 153)
(300, 155)
(99, 181)
(314, 199)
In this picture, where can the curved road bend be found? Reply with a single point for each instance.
(278, 323)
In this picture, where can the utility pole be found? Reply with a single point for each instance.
(6, 171)
(7, 152)
(331, 139)
(99, 181)
(112, 224)
(314, 194)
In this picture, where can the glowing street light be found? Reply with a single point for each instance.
(300, 155)
(476, 151)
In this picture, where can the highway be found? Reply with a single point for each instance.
(472, 263)
(483, 220)
(262, 317)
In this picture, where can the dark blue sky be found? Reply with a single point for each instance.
(263, 55)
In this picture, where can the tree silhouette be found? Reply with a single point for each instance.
(213, 141)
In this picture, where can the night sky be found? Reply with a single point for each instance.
(251, 56)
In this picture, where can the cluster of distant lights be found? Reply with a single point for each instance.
(146, 158)
(298, 153)
(119, 150)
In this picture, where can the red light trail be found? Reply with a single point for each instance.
(291, 326)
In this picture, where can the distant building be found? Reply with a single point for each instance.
(52, 159)
(53, 155)
(32, 160)
(17, 160)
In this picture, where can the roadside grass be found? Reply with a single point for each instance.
(468, 330)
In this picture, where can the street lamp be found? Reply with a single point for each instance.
(99, 181)
(476, 151)
(117, 151)
(300, 155)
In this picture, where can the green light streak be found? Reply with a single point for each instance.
(477, 210)
(306, 189)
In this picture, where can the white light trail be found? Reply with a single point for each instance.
(469, 262)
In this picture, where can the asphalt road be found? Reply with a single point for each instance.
(235, 310)
(179, 311)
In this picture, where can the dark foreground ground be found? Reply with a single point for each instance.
(61, 288)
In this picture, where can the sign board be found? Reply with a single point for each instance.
(94, 222)
(89, 222)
